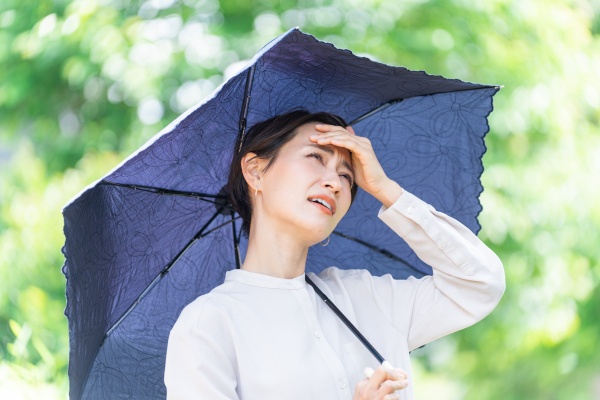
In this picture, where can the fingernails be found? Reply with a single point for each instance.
(369, 371)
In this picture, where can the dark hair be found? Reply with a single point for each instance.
(265, 139)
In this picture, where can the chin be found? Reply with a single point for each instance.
(313, 228)
(310, 230)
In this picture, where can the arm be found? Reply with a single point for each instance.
(197, 366)
(468, 278)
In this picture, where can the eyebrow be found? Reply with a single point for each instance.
(330, 151)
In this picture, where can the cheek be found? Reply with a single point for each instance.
(306, 171)
(285, 182)
(344, 203)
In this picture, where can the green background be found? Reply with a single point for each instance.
(85, 83)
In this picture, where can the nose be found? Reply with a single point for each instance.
(332, 181)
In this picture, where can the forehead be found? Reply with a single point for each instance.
(302, 139)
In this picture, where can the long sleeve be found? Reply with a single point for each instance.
(468, 278)
(197, 366)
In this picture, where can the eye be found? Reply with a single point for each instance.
(349, 178)
(317, 156)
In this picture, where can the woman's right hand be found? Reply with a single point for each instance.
(381, 385)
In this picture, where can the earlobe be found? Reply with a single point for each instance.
(251, 169)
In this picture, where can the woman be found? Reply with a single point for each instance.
(265, 334)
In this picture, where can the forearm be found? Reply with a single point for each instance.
(389, 193)
(468, 278)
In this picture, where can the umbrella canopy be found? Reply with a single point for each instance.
(156, 232)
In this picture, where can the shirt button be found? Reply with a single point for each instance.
(410, 210)
(443, 243)
(318, 334)
(341, 384)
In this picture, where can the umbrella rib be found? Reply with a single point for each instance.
(198, 235)
(379, 250)
(152, 189)
(376, 109)
(201, 233)
(246, 104)
(396, 101)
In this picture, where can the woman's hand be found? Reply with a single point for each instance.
(381, 385)
(368, 173)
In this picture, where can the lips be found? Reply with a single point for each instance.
(326, 203)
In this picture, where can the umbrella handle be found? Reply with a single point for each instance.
(345, 320)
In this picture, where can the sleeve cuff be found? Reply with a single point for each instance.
(406, 213)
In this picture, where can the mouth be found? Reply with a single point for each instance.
(325, 203)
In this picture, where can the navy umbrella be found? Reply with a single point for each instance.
(157, 231)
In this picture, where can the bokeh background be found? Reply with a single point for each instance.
(84, 83)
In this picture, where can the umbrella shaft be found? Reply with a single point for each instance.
(345, 320)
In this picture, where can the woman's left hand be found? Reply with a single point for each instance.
(368, 173)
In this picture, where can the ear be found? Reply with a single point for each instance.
(350, 129)
(252, 167)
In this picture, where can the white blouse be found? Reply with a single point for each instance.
(261, 337)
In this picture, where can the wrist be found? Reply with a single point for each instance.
(389, 193)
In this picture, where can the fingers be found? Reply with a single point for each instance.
(397, 378)
(338, 136)
(368, 172)
(334, 131)
(378, 377)
(329, 128)
(399, 373)
(385, 380)
(390, 386)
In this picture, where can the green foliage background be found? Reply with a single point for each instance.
(84, 83)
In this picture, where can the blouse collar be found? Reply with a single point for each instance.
(266, 281)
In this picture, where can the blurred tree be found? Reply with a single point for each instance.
(85, 82)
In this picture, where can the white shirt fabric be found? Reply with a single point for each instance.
(261, 337)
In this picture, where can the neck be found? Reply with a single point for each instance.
(271, 252)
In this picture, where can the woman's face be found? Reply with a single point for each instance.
(307, 189)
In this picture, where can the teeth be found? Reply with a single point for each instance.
(323, 202)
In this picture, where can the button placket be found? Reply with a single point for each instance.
(321, 342)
